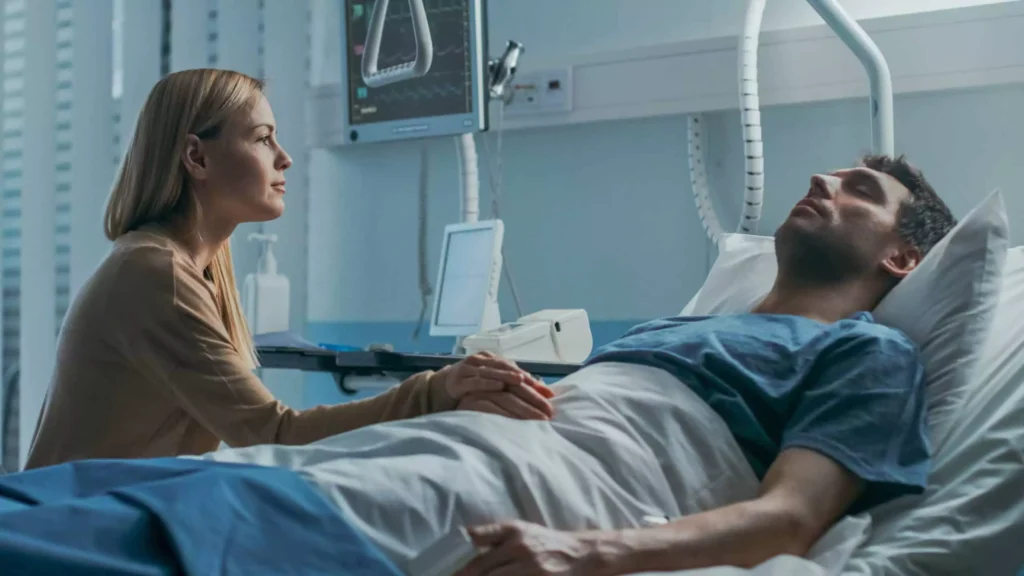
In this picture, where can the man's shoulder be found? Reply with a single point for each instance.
(862, 338)
(863, 325)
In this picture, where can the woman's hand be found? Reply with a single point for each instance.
(485, 382)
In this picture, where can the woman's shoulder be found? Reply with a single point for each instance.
(133, 285)
(142, 257)
(144, 265)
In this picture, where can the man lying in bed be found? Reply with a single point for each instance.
(826, 405)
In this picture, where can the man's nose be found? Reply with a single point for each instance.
(823, 186)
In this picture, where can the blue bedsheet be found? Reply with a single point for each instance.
(173, 516)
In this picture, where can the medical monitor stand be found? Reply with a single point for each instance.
(491, 320)
(466, 299)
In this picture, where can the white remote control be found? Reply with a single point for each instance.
(447, 554)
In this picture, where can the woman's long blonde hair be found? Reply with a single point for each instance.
(152, 185)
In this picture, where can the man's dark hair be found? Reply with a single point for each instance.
(924, 219)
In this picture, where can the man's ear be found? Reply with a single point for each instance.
(902, 261)
(193, 156)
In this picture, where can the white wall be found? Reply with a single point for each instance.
(967, 143)
(554, 29)
(601, 215)
(592, 213)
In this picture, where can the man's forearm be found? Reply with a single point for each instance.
(743, 534)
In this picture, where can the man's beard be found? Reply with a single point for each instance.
(820, 258)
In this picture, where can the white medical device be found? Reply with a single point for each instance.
(466, 299)
(466, 304)
(266, 294)
(561, 336)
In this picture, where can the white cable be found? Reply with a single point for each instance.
(426, 290)
(495, 177)
(501, 138)
(496, 206)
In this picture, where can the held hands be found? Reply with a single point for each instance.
(487, 383)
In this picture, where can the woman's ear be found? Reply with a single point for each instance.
(902, 261)
(193, 156)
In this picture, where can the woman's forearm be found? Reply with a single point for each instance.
(420, 394)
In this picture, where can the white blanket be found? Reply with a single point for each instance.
(627, 441)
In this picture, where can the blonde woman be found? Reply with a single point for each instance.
(155, 358)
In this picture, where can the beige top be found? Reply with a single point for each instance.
(144, 368)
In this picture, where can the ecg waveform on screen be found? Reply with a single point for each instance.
(388, 59)
(399, 94)
(432, 7)
(446, 89)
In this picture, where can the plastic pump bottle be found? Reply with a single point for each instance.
(266, 294)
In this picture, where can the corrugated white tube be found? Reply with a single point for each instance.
(750, 113)
(468, 164)
(699, 178)
(753, 148)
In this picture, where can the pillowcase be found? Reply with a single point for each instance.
(945, 305)
(970, 519)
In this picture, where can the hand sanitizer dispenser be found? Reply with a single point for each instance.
(266, 294)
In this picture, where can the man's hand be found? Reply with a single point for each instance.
(522, 549)
(488, 383)
(802, 495)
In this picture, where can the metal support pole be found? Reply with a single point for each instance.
(882, 139)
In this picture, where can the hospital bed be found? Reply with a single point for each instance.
(588, 474)
(628, 442)
(623, 446)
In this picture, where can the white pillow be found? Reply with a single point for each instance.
(945, 306)
(970, 519)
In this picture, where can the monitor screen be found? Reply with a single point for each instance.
(465, 279)
(447, 98)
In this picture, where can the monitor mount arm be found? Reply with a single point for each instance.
(503, 71)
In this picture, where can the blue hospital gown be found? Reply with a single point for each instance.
(853, 390)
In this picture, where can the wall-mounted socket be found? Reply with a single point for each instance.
(541, 92)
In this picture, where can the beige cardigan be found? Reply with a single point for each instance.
(144, 368)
